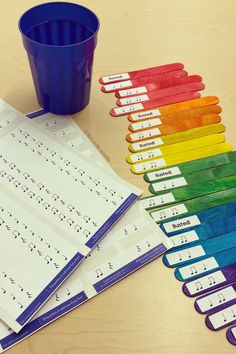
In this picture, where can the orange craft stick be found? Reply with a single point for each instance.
(175, 107)
(168, 118)
(174, 127)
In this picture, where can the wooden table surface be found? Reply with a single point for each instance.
(145, 313)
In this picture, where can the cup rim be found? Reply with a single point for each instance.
(58, 46)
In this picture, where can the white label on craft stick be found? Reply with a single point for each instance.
(218, 298)
(146, 124)
(167, 172)
(206, 282)
(157, 200)
(145, 166)
(170, 212)
(145, 134)
(169, 184)
(149, 154)
(184, 238)
(147, 114)
(118, 85)
(185, 255)
(198, 268)
(223, 317)
(133, 91)
(181, 224)
(233, 330)
(144, 145)
(134, 99)
(116, 77)
(128, 109)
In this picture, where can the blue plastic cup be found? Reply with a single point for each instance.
(60, 38)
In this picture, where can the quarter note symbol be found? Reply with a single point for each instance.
(68, 291)
(210, 303)
(148, 243)
(99, 272)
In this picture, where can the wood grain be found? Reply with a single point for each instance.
(145, 313)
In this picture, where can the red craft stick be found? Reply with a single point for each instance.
(169, 91)
(153, 86)
(140, 73)
(137, 107)
(143, 80)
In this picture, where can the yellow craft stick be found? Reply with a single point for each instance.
(176, 159)
(185, 146)
(177, 137)
(171, 108)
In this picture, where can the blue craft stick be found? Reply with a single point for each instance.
(202, 217)
(206, 264)
(186, 255)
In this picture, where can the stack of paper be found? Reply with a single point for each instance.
(59, 198)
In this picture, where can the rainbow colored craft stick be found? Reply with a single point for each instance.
(174, 127)
(173, 149)
(173, 117)
(177, 137)
(137, 107)
(130, 84)
(154, 95)
(171, 160)
(140, 73)
(155, 85)
(173, 108)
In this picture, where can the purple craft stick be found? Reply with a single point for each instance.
(222, 318)
(230, 335)
(211, 281)
(216, 300)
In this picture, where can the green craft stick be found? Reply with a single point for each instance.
(193, 205)
(191, 166)
(193, 178)
(189, 192)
